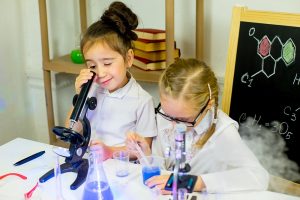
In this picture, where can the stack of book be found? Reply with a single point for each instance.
(150, 49)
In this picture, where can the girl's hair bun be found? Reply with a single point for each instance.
(121, 19)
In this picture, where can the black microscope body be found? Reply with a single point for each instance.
(78, 142)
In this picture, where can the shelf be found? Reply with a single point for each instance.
(65, 65)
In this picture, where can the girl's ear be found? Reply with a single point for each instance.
(130, 57)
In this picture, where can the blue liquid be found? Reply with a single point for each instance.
(93, 192)
(122, 173)
(148, 172)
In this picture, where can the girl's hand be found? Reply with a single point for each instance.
(159, 182)
(106, 151)
(83, 77)
(133, 139)
(77, 126)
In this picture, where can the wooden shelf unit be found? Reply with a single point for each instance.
(64, 64)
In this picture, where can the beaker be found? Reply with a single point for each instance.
(151, 166)
(96, 185)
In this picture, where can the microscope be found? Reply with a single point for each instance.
(78, 142)
(179, 178)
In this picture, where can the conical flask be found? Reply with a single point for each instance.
(96, 185)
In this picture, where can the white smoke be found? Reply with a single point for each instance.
(269, 148)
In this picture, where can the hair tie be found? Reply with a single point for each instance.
(209, 90)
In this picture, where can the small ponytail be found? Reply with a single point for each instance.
(202, 140)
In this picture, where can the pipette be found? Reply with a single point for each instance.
(138, 148)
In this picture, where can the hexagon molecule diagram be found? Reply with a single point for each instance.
(272, 51)
(289, 52)
(264, 47)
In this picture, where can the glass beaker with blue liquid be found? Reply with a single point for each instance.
(151, 166)
(96, 185)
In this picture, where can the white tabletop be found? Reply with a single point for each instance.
(130, 187)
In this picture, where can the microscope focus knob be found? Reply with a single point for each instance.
(92, 103)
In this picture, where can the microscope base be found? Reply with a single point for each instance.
(80, 167)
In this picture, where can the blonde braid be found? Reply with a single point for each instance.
(202, 141)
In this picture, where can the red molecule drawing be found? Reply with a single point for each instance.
(264, 47)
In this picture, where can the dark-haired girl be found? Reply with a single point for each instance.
(123, 105)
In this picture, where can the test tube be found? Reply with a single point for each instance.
(57, 175)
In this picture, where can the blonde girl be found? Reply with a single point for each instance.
(215, 151)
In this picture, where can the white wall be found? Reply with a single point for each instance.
(15, 109)
(22, 105)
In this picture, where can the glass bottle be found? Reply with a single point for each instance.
(96, 185)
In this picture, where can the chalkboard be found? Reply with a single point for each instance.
(262, 78)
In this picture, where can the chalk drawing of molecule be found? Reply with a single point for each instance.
(271, 52)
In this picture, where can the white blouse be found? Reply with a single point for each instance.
(128, 108)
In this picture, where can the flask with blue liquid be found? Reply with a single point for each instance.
(96, 185)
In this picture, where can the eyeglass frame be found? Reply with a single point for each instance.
(187, 123)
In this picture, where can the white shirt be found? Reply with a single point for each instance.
(128, 108)
(224, 163)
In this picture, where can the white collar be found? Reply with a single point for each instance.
(121, 92)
